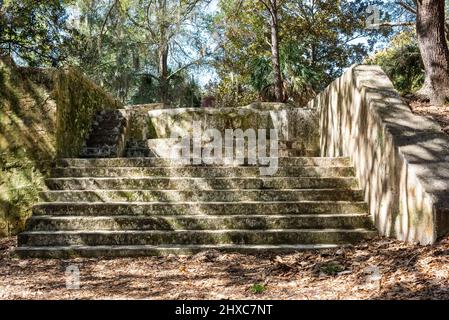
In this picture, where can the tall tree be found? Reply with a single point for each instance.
(165, 22)
(432, 31)
(272, 7)
(317, 40)
(430, 28)
(134, 45)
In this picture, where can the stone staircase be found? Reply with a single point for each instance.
(107, 135)
(153, 206)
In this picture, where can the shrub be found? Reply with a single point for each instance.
(401, 61)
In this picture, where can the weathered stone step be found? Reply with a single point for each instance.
(202, 196)
(108, 125)
(204, 172)
(96, 151)
(160, 250)
(189, 237)
(161, 162)
(108, 119)
(106, 139)
(250, 222)
(197, 208)
(167, 183)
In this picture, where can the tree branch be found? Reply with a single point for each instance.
(407, 7)
(107, 18)
(197, 61)
(392, 24)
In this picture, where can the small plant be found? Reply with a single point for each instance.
(258, 288)
(332, 268)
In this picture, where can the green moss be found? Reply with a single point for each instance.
(27, 141)
(33, 127)
(78, 100)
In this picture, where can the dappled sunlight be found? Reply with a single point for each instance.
(27, 140)
(400, 158)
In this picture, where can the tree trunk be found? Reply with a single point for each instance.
(430, 28)
(163, 74)
(278, 86)
(163, 52)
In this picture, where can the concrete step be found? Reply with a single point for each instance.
(110, 139)
(122, 207)
(99, 151)
(202, 196)
(250, 222)
(105, 125)
(197, 208)
(189, 237)
(162, 162)
(201, 172)
(67, 252)
(168, 183)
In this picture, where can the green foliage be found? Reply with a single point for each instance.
(231, 92)
(119, 44)
(316, 44)
(258, 288)
(146, 92)
(33, 30)
(78, 100)
(401, 60)
(332, 268)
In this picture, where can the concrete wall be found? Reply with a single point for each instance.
(293, 124)
(402, 159)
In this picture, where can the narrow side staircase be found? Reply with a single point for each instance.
(107, 135)
(152, 206)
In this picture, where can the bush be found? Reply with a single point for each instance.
(402, 62)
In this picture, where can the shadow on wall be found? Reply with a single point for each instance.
(27, 140)
(401, 158)
(43, 112)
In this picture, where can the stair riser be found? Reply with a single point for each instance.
(126, 252)
(203, 172)
(197, 223)
(103, 140)
(193, 237)
(74, 209)
(200, 184)
(159, 162)
(202, 196)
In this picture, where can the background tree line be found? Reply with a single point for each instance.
(146, 51)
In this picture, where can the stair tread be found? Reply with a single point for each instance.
(115, 251)
(204, 216)
(209, 191)
(112, 203)
(197, 178)
(118, 232)
(201, 246)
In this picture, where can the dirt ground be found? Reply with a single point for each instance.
(378, 269)
(438, 114)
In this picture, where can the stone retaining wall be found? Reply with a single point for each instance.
(293, 124)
